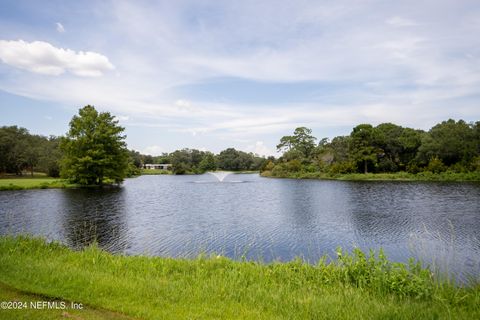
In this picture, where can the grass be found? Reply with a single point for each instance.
(33, 183)
(10, 294)
(356, 286)
(245, 172)
(154, 171)
(398, 176)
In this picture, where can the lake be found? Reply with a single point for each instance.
(247, 216)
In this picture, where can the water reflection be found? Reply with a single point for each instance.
(94, 216)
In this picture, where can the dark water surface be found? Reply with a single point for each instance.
(259, 218)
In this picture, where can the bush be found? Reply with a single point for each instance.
(458, 168)
(181, 168)
(342, 167)
(268, 166)
(435, 165)
(413, 167)
(132, 171)
(387, 165)
(311, 168)
(474, 164)
(294, 166)
(279, 170)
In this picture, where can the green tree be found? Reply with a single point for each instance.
(33, 145)
(181, 161)
(476, 134)
(341, 148)
(136, 158)
(13, 146)
(229, 159)
(387, 138)
(51, 156)
(94, 149)
(451, 141)
(410, 140)
(362, 148)
(301, 141)
(208, 162)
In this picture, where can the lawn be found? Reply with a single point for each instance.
(32, 183)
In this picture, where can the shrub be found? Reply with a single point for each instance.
(342, 167)
(278, 170)
(268, 166)
(413, 167)
(436, 165)
(294, 166)
(387, 165)
(474, 164)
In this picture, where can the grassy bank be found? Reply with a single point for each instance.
(355, 287)
(154, 171)
(398, 176)
(33, 183)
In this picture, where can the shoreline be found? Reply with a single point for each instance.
(27, 183)
(399, 176)
(212, 286)
(43, 182)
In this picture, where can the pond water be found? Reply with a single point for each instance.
(259, 218)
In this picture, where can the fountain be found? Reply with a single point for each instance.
(220, 175)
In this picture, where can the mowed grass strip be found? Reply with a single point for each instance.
(356, 286)
(33, 183)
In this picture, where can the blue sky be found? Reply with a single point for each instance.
(217, 74)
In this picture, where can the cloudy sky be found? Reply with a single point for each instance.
(217, 74)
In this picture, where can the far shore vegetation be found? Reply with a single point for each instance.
(397, 176)
(449, 151)
(351, 286)
(94, 153)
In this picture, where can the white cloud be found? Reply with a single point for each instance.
(59, 27)
(406, 62)
(401, 22)
(123, 118)
(153, 150)
(43, 58)
(261, 149)
(184, 105)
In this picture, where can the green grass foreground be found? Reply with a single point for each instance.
(10, 294)
(33, 183)
(357, 286)
(398, 176)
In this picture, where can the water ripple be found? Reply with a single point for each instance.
(250, 217)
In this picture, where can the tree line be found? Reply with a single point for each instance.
(386, 148)
(21, 151)
(94, 151)
(193, 161)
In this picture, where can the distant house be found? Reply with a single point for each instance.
(161, 166)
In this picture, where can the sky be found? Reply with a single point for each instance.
(216, 74)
